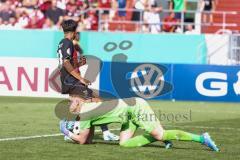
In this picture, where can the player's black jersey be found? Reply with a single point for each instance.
(65, 52)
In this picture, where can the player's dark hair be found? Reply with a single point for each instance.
(69, 26)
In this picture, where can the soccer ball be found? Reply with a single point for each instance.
(73, 126)
(76, 127)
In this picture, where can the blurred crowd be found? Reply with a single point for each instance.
(48, 14)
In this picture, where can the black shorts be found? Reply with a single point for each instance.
(73, 86)
(81, 90)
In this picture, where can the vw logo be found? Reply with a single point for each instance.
(147, 81)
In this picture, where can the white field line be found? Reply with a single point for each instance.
(30, 137)
(39, 136)
(59, 134)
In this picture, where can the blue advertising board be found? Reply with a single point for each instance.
(206, 83)
(176, 81)
(120, 79)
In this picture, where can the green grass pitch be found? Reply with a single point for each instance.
(21, 117)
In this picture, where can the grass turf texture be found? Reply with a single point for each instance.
(35, 116)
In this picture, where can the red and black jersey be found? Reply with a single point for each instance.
(76, 56)
(66, 52)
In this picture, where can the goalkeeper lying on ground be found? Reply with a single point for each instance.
(139, 115)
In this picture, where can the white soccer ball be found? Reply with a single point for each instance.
(76, 128)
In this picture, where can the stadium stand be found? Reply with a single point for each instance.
(232, 7)
(48, 14)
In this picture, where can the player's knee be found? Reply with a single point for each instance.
(97, 99)
(158, 133)
(75, 105)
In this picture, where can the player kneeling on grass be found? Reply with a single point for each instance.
(139, 115)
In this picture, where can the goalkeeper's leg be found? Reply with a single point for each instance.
(146, 119)
(167, 135)
(160, 134)
(128, 131)
(137, 141)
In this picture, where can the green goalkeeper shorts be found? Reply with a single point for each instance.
(141, 116)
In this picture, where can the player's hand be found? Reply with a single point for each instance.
(83, 61)
(85, 81)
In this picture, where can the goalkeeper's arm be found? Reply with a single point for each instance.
(82, 137)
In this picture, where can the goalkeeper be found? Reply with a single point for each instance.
(139, 115)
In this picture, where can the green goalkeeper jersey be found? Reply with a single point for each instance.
(94, 114)
(139, 114)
